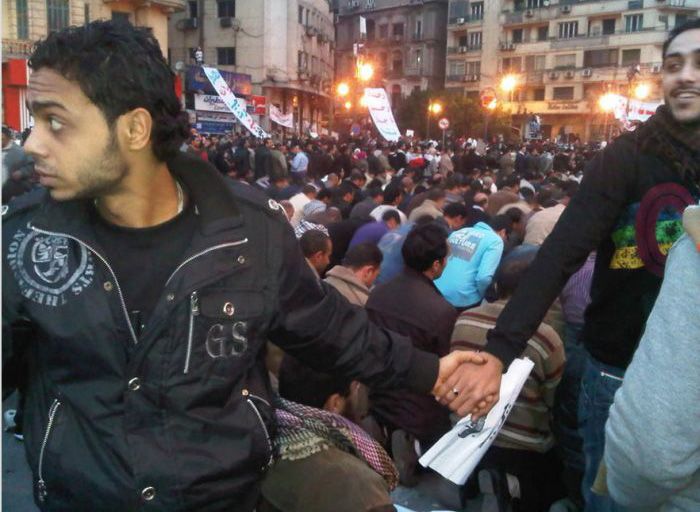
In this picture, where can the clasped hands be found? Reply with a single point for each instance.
(468, 382)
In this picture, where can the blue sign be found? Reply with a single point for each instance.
(196, 81)
(213, 127)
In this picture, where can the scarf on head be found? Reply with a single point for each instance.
(663, 136)
(303, 431)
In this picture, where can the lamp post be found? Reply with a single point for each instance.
(433, 108)
(607, 104)
(508, 85)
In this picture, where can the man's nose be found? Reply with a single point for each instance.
(33, 146)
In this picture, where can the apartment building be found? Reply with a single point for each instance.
(280, 50)
(405, 41)
(564, 55)
(27, 21)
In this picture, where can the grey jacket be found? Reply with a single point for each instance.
(652, 440)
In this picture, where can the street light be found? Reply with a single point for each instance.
(607, 104)
(642, 91)
(508, 85)
(434, 107)
(365, 71)
(343, 89)
(348, 105)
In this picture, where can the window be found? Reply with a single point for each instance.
(371, 32)
(475, 40)
(397, 29)
(511, 64)
(384, 60)
(226, 8)
(300, 15)
(518, 35)
(416, 57)
(565, 61)
(57, 14)
(538, 94)
(474, 67)
(226, 56)
(192, 8)
(599, 58)
(534, 63)
(633, 22)
(477, 12)
(121, 17)
(563, 93)
(542, 33)
(86, 13)
(681, 19)
(609, 26)
(397, 62)
(419, 29)
(456, 68)
(463, 41)
(631, 57)
(383, 31)
(23, 20)
(568, 29)
(314, 64)
(301, 60)
(534, 4)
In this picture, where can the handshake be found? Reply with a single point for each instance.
(468, 382)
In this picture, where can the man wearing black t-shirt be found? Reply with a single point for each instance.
(150, 284)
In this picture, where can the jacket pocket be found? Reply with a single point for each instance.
(221, 327)
(255, 403)
(42, 492)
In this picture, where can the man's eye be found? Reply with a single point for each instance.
(672, 66)
(55, 124)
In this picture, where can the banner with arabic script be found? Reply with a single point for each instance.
(380, 109)
(234, 104)
(286, 120)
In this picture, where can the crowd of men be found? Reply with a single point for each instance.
(406, 254)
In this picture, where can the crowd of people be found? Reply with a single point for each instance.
(321, 289)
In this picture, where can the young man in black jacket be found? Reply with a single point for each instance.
(628, 208)
(151, 284)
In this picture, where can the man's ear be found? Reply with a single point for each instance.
(335, 403)
(134, 129)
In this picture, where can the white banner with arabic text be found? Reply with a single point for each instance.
(380, 109)
(234, 104)
(279, 117)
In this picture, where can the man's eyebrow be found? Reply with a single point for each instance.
(678, 54)
(35, 106)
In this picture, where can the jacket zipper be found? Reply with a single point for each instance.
(194, 311)
(202, 253)
(249, 399)
(109, 267)
(41, 484)
(611, 376)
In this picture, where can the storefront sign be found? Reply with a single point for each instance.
(239, 83)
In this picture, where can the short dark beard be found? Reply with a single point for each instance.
(110, 170)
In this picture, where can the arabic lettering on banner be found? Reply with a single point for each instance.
(638, 110)
(286, 120)
(380, 109)
(210, 103)
(234, 104)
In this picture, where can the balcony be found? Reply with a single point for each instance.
(463, 20)
(452, 50)
(675, 5)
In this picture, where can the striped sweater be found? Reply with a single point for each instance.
(528, 425)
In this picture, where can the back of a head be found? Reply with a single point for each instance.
(501, 222)
(453, 210)
(512, 269)
(313, 241)
(423, 245)
(120, 68)
(391, 214)
(435, 194)
(361, 255)
(301, 384)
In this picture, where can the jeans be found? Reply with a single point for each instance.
(598, 386)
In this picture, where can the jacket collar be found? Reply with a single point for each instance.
(212, 196)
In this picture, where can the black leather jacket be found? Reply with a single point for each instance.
(178, 419)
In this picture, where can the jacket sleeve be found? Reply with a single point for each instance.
(320, 328)
(652, 437)
(588, 219)
(489, 263)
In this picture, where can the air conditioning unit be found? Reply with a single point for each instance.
(656, 69)
(461, 21)
(462, 49)
(230, 22)
(566, 9)
(507, 46)
(587, 73)
(471, 78)
(553, 75)
(529, 13)
(596, 31)
(188, 24)
(569, 74)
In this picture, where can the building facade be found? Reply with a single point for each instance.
(564, 55)
(27, 21)
(283, 47)
(405, 41)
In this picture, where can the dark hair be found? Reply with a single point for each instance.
(423, 245)
(323, 194)
(313, 241)
(308, 188)
(363, 254)
(688, 25)
(119, 67)
(391, 192)
(509, 181)
(455, 180)
(500, 222)
(301, 384)
(435, 194)
(512, 269)
(514, 214)
(453, 210)
(391, 214)
(375, 192)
